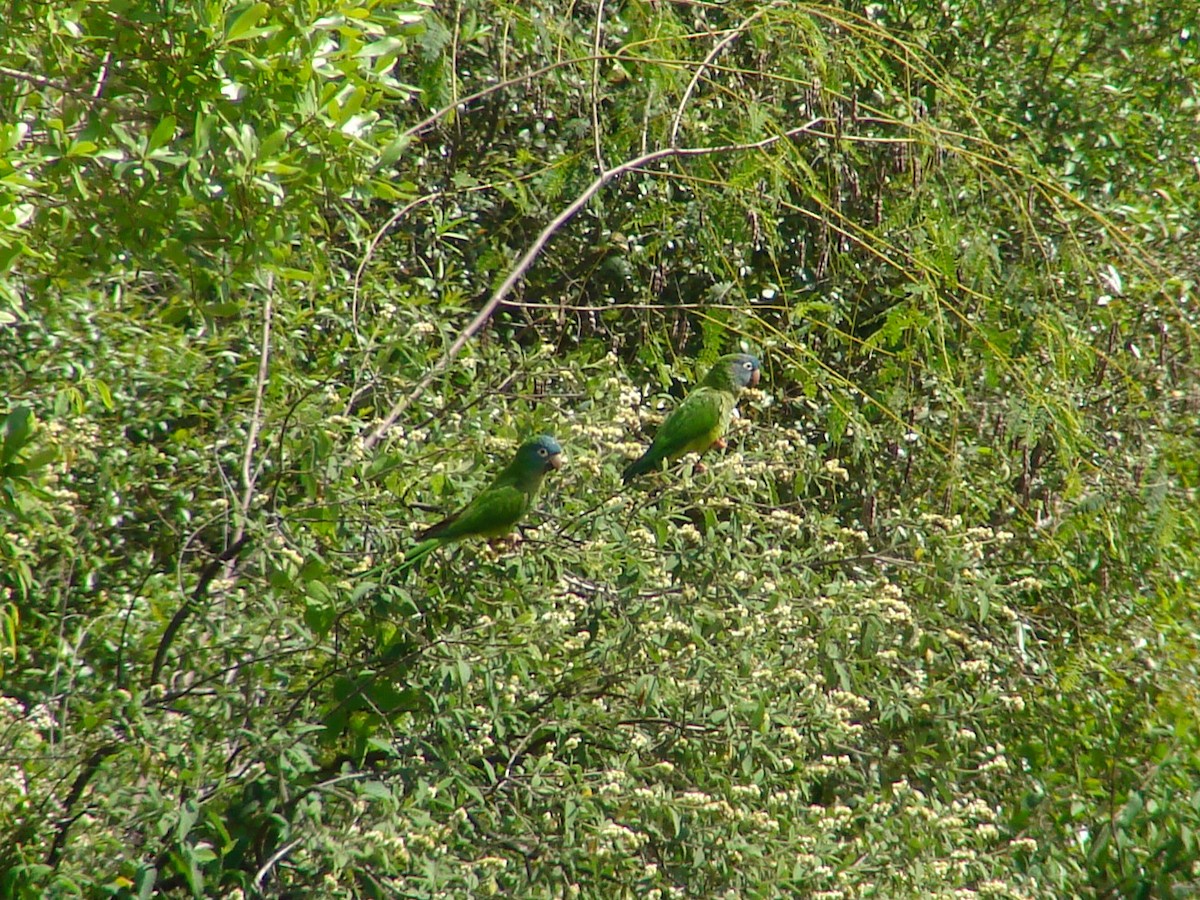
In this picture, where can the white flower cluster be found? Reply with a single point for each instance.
(667, 626)
(995, 760)
(612, 783)
(835, 468)
(827, 765)
(607, 434)
(784, 522)
(890, 605)
(615, 839)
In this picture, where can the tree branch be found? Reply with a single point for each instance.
(90, 768)
(596, 35)
(712, 54)
(260, 383)
(206, 577)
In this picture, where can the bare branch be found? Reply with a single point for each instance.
(439, 114)
(249, 478)
(228, 557)
(102, 76)
(210, 572)
(374, 242)
(69, 817)
(39, 80)
(275, 857)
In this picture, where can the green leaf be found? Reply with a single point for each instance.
(145, 880)
(242, 23)
(9, 253)
(82, 148)
(319, 617)
(388, 46)
(188, 814)
(163, 132)
(18, 428)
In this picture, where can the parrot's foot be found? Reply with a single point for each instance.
(699, 468)
(720, 444)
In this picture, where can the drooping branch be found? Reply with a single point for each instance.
(716, 51)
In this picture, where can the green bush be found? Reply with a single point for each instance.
(925, 628)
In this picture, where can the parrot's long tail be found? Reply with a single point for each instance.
(639, 466)
(418, 552)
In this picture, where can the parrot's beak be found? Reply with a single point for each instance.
(556, 461)
(754, 376)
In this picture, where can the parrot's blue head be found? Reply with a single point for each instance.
(541, 453)
(743, 369)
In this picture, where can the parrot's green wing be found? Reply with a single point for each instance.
(490, 515)
(695, 425)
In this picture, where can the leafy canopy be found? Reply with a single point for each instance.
(280, 286)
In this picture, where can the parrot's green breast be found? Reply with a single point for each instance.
(700, 443)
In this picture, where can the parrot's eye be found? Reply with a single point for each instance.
(542, 451)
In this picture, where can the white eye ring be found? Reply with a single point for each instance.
(542, 451)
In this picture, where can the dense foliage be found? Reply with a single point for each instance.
(279, 285)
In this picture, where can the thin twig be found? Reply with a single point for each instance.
(249, 479)
(454, 55)
(539, 244)
(597, 143)
(374, 242)
(228, 557)
(69, 817)
(444, 111)
(40, 80)
(272, 860)
(206, 576)
(712, 54)
(102, 76)
(522, 746)
(359, 375)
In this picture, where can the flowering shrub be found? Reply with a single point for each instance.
(925, 628)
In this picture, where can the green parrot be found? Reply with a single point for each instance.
(701, 419)
(499, 506)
